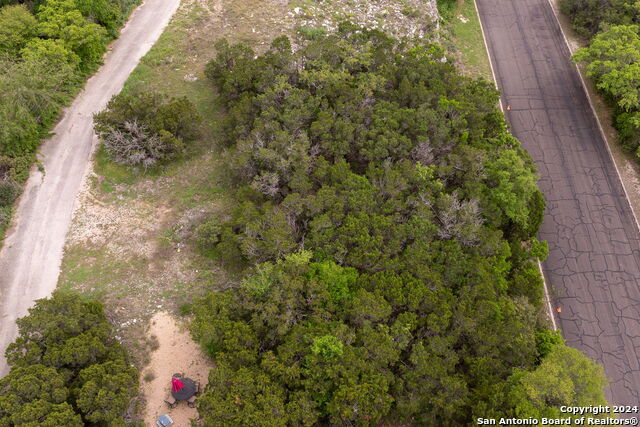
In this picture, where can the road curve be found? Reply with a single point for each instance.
(31, 256)
(593, 267)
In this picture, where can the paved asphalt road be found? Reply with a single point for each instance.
(593, 268)
(32, 253)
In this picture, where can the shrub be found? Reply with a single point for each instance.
(147, 128)
(9, 191)
(17, 27)
(68, 355)
(134, 145)
(311, 33)
(590, 16)
(5, 216)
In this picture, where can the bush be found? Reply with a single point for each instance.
(311, 33)
(590, 16)
(9, 192)
(66, 351)
(145, 129)
(612, 58)
(135, 145)
(103, 12)
(5, 216)
(446, 8)
(628, 127)
(209, 234)
(17, 27)
(87, 40)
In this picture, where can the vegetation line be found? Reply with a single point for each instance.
(495, 81)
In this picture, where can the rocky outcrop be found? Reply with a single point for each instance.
(411, 18)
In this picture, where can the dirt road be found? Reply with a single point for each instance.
(594, 249)
(32, 253)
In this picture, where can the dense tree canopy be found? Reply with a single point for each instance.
(62, 20)
(590, 16)
(17, 27)
(565, 377)
(66, 368)
(392, 220)
(613, 61)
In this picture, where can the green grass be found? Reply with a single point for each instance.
(468, 41)
(5, 219)
(113, 173)
(97, 274)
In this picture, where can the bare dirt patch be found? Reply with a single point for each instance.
(176, 353)
(129, 249)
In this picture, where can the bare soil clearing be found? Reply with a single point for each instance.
(176, 352)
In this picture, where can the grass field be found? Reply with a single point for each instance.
(466, 38)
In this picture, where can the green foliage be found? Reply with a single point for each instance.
(565, 377)
(327, 346)
(5, 217)
(34, 90)
(66, 367)
(36, 396)
(311, 33)
(144, 129)
(391, 220)
(61, 19)
(613, 61)
(106, 390)
(9, 191)
(446, 8)
(50, 50)
(337, 161)
(590, 16)
(628, 126)
(242, 397)
(340, 281)
(209, 234)
(104, 12)
(546, 341)
(512, 184)
(17, 27)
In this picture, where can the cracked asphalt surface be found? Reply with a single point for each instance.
(32, 252)
(593, 267)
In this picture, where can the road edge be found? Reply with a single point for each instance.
(495, 82)
(595, 113)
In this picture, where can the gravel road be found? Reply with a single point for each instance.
(31, 256)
